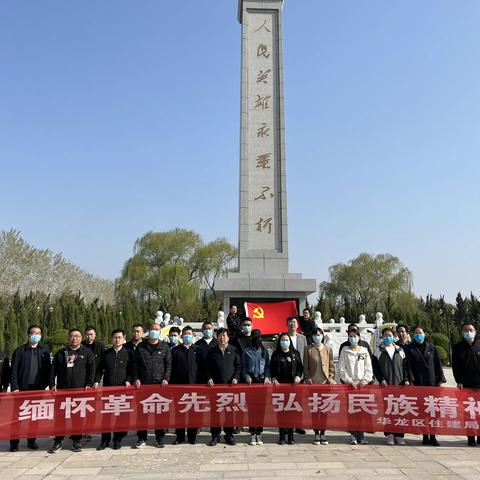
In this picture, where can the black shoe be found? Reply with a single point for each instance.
(57, 446)
(300, 431)
(76, 447)
(478, 440)
(425, 440)
(117, 445)
(291, 441)
(159, 443)
(434, 442)
(472, 443)
(213, 441)
(230, 440)
(103, 446)
(281, 442)
(178, 442)
(32, 445)
(192, 442)
(237, 430)
(13, 448)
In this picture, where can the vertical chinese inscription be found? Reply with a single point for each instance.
(262, 130)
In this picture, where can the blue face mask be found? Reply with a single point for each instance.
(207, 333)
(246, 328)
(154, 334)
(173, 340)
(353, 340)
(419, 337)
(388, 340)
(285, 344)
(317, 339)
(469, 336)
(35, 338)
(187, 339)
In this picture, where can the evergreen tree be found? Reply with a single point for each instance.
(11, 332)
(2, 330)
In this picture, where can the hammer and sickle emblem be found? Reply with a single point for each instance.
(258, 312)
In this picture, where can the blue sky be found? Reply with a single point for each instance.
(117, 118)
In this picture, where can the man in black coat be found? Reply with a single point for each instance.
(95, 347)
(307, 325)
(244, 339)
(136, 339)
(185, 358)
(152, 366)
(223, 367)
(73, 367)
(116, 367)
(30, 371)
(203, 346)
(466, 364)
(234, 322)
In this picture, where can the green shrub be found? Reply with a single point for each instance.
(439, 340)
(442, 353)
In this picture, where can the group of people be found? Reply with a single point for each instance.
(234, 355)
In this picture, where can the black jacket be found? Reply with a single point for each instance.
(97, 349)
(81, 375)
(152, 363)
(131, 346)
(4, 371)
(115, 367)
(234, 325)
(203, 348)
(241, 342)
(222, 368)
(185, 364)
(466, 364)
(20, 370)
(423, 364)
(284, 367)
(392, 370)
(307, 327)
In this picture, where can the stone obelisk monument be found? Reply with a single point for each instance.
(263, 233)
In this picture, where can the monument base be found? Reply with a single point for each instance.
(263, 287)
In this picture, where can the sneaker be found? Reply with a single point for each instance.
(400, 441)
(390, 439)
(140, 444)
(323, 440)
(363, 442)
(159, 443)
(259, 440)
(316, 440)
(253, 440)
(55, 448)
(76, 447)
(353, 440)
(213, 441)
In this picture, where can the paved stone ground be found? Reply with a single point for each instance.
(336, 461)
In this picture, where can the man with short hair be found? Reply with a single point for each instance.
(136, 339)
(299, 341)
(93, 345)
(402, 334)
(234, 323)
(116, 368)
(466, 365)
(244, 339)
(307, 325)
(223, 368)
(73, 367)
(185, 359)
(152, 366)
(30, 370)
(173, 337)
(203, 346)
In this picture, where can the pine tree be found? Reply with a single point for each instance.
(11, 332)
(2, 330)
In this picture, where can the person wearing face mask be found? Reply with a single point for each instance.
(203, 345)
(318, 368)
(255, 370)
(424, 368)
(390, 368)
(185, 359)
(152, 365)
(286, 367)
(173, 337)
(466, 365)
(355, 367)
(30, 370)
(244, 339)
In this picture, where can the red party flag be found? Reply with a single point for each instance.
(271, 317)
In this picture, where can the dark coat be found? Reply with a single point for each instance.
(115, 367)
(284, 367)
(97, 349)
(222, 368)
(392, 370)
(131, 346)
(152, 363)
(307, 327)
(20, 370)
(466, 364)
(185, 364)
(234, 325)
(241, 342)
(203, 348)
(81, 375)
(423, 364)
(4, 371)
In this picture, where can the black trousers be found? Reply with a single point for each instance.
(16, 442)
(159, 435)
(191, 434)
(216, 431)
(117, 436)
(74, 438)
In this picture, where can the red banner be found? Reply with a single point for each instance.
(417, 410)
(271, 317)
